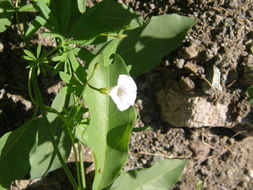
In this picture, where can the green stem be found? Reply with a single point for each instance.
(80, 150)
(76, 159)
(37, 103)
(58, 153)
(29, 86)
(17, 20)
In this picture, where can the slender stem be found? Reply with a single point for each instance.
(80, 150)
(51, 134)
(29, 86)
(65, 167)
(76, 159)
(17, 20)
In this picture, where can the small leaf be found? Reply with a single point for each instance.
(29, 54)
(38, 50)
(48, 14)
(28, 58)
(145, 46)
(81, 5)
(65, 77)
(161, 176)
(35, 25)
(44, 9)
(27, 8)
(6, 14)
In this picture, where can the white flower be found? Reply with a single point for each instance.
(124, 93)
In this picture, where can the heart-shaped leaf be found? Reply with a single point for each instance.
(109, 129)
(146, 45)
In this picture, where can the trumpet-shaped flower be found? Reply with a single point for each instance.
(124, 93)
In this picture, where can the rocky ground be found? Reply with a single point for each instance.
(195, 101)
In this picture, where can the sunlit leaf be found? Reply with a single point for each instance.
(109, 129)
(161, 176)
(6, 14)
(145, 46)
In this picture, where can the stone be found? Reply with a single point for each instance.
(190, 52)
(1, 47)
(191, 111)
(186, 84)
(179, 63)
(214, 78)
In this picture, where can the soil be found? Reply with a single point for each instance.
(218, 49)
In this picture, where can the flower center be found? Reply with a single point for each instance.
(120, 92)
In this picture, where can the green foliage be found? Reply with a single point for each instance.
(107, 16)
(6, 14)
(43, 143)
(109, 130)
(43, 158)
(81, 5)
(15, 147)
(146, 45)
(161, 176)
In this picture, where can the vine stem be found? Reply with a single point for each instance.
(76, 159)
(65, 167)
(17, 20)
(48, 126)
(80, 150)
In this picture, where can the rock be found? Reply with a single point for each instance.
(191, 111)
(191, 67)
(214, 77)
(179, 63)
(190, 52)
(186, 84)
(1, 47)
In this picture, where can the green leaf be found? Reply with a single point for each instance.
(15, 147)
(43, 157)
(44, 9)
(29, 54)
(35, 25)
(65, 77)
(250, 91)
(48, 14)
(145, 46)
(81, 5)
(106, 16)
(161, 176)
(109, 130)
(28, 58)
(27, 8)
(38, 51)
(6, 14)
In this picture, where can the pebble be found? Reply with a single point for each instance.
(251, 173)
(191, 51)
(179, 63)
(1, 47)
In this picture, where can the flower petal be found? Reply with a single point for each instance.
(124, 94)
